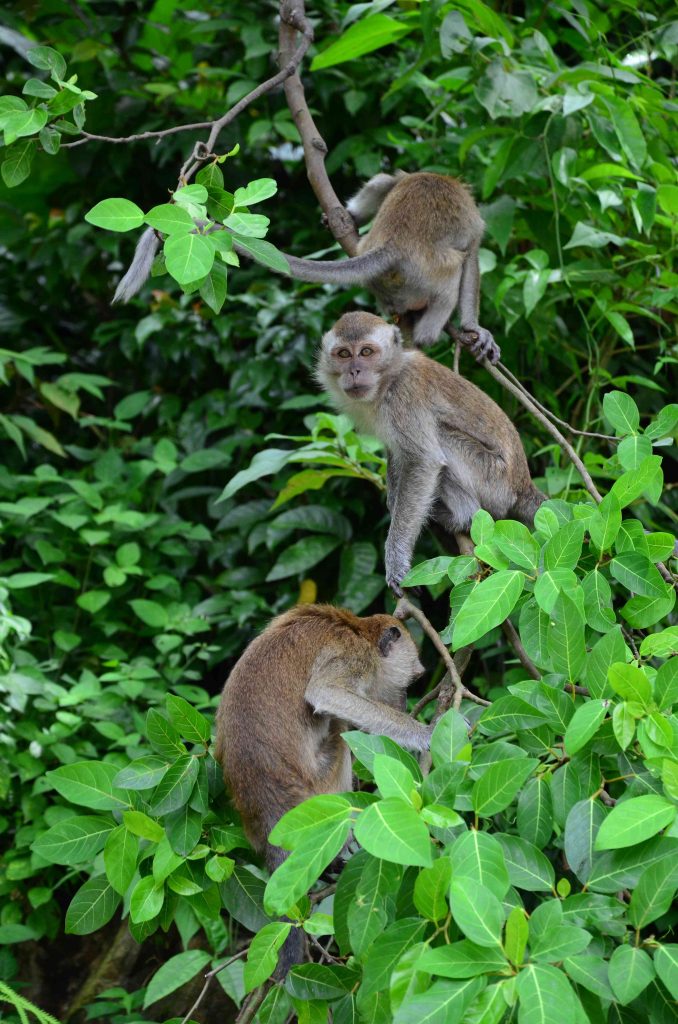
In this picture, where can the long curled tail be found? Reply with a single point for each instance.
(140, 267)
(354, 270)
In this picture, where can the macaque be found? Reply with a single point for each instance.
(450, 449)
(419, 258)
(314, 672)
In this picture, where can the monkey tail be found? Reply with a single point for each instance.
(139, 268)
(354, 270)
(293, 950)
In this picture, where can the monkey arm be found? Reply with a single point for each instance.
(329, 694)
(483, 345)
(416, 483)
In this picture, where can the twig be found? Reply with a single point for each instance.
(426, 699)
(572, 688)
(318, 897)
(511, 634)
(286, 70)
(292, 20)
(450, 695)
(551, 415)
(457, 356)
(209, 977)
(252, 1003)
(325, 955)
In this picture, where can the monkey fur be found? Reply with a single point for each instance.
(420, 256)
(314, 672)
(451, 450)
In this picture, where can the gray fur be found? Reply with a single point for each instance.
(451, 449)
(140, 267)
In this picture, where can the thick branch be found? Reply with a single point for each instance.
(292, 20)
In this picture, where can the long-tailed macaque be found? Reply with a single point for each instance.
(451, 450)
(314, 672)
(420, 256)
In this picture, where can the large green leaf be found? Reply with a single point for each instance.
(174, 973)
(73, 841)
(393, 830)
(365, 36)
(499, 785)
(634, 820)
(477, 911)
(630, 972)
(89, 784)
(487, 606)
(545, 995)
(92, 907)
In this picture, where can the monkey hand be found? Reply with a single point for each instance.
(480, 343)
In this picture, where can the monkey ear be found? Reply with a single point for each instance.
(397, 336)
(388, 638)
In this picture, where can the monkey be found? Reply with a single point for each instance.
(450, 448)
(315, 671)
(419, 258)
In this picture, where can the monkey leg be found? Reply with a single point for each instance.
(431, 323)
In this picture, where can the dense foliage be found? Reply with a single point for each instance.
(168, 484)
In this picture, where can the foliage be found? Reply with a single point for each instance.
(151, 529)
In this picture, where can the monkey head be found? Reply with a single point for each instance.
(399, 657)
(357, 355)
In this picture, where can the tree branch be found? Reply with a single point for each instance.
(209, 977)
(292, 20)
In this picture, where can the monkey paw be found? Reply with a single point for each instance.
(480, 343)
(394, 585)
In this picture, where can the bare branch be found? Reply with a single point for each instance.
(209, 977)
(450, 695)
(252, 1003)
(292, 20)
(511, 635)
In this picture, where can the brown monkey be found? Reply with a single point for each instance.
(420, 257)
(314, 672)
(451, 450)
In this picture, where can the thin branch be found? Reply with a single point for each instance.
(551, 415)
(292, 20)
(209, 977)
(318, 897)
(426, 699)
(249, 1008)
(450, 695)
(324, 953)
(511, 634)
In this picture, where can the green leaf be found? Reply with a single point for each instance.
(477, 912)
(563, 550)
(47, 59)
(630, 682)
(364, 36)
(139, 824)
(630, 972)
(429, 572)
(653, 895)
(487, 606)
(262, 955)
(392, 829)
(255, 192)
(666, 684)
(642, 612)
(516, 935)
(461, 960)
(515, 540)
(605, 523)
(176, 786)
(265, 463)
(528, 868)
(89, 784)
(591, 972)
(215, 287)
(598, 601)
(305, 864)
(581, 828)
(146, 900)
(554, 944)
(150, 612)
(22, 123)
(302, 555)
(584, 724)
(545, 996)
(174, 973)
(566, 647)
(392, 777)
(188, 257)
(17, 163)
(535, 811)
(91, 908)
(479, 857)
(188, 722)
(637, 573)
(632, 450)
(170, 219)
(115, 215)
(430, 890)
(666, 965)
(162, 735)
(320, 981)
(628, 130)
(144, 773)
(120, 858)
(307, 819)
(499, 785)
(634, 820)
(73, 841)
(263, 252)
(449, 738)
(646, 479)
(445, 1002)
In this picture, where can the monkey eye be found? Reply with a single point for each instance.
(366, 351)
(344, 353)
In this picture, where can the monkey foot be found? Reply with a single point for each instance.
(479, 342)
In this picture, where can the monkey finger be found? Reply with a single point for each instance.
(395, 587)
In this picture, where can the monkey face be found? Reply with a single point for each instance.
(400, 664)
(355, 353)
